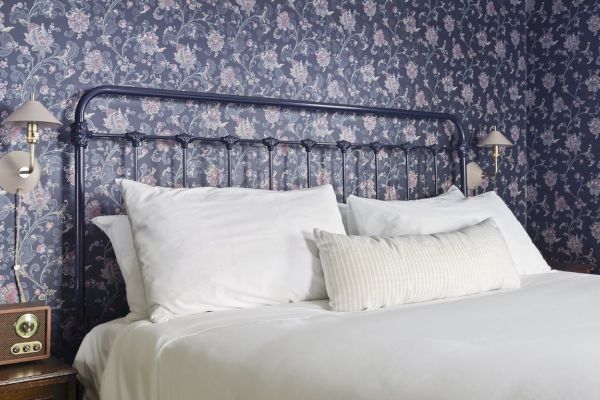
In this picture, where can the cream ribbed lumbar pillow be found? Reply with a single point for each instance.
(363, 272)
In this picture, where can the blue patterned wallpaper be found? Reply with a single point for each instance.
(466, 57)
(563, 182)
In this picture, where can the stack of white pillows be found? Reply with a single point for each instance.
(187, 251)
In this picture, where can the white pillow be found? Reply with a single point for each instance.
(117, 228)
(389, 219)
(207, 249)
(452, 193)
(363, 272)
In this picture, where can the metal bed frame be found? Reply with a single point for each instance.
(81, 134)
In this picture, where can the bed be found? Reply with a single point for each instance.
(535, 343)
(529, 343)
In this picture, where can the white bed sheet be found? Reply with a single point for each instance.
(538, 342)
(93, 354)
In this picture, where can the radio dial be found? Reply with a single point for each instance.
(26, 326)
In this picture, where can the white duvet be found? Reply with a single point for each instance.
(538, 342)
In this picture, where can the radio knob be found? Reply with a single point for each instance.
(37, 347)
(26, 348)
(15, 349)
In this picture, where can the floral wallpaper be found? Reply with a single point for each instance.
(466, 57)
(563, 181)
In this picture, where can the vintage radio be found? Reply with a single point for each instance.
(24, 332)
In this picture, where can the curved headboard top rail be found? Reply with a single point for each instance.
(81, 134)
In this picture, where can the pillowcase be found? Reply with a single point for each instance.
(208, 249)
(363, 272)
(117, 228)
(389, 219)
(452, 193)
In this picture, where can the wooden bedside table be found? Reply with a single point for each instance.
(574, 267)
(49, 379)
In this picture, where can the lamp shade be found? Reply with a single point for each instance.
(494, 138)
(32, 111)
(474, 175)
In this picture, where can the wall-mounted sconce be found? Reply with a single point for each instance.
(495, 139)
(18, 169)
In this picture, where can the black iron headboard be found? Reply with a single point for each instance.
(81, 134)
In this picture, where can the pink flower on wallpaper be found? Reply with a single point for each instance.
(410, 24)
(269, 59)
(94, 61)
(548, 138)
(594, 186)
(548, 80)
(334, 90)
(346, 133)
(92, 210)
(549, 235)
(370, 8)
(245, 129)
(575, 245)
(500, 49)
(214, 175)
(449, 23)
(148, 42)
(323, 177)
(228, 78)
(299, 72)
(490, 107)
(390, 193)
(431, 36)
(448, 84)
(558, 105)
(115, 121)
(573, 143)
(593, 83)
(78, 20)
(550, 178)
(392, 84)
(467, 93)
(321, 8)
(558, 7)
(490, 9)
(410, 133)
(482, 39)
(572, 43)
(321, 126)
(412, 70)
(594, 126)
(368, 73)
(323, 57)
(560, 204)
(246, 5)
(420, 99)
(347, 20)
(186, 58)
(167, 4)
(283, 21)
(457, 52)
(272, 115)
(215, 41)
(515, 37)
(547, 40)
(212, 118)
(531, 193)
(594, 23)
(378, 38)
(8, 293)
(150, 106)
(39, 38)
(369, 121)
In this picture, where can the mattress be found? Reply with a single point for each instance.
(93, 353)
(537, 342)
